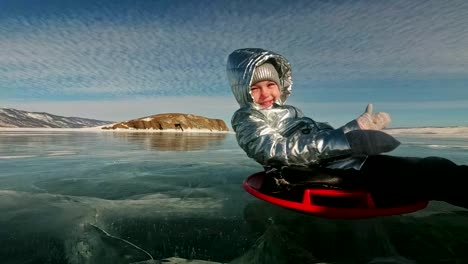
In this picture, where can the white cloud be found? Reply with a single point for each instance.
(74, 59)
(183, 52)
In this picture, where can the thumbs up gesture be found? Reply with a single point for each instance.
(371, 121)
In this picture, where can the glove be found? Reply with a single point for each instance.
(370, 142)
(371, 121)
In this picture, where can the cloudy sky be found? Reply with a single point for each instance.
(116, 60)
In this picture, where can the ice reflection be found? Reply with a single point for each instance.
(174, 141)
(19, 144)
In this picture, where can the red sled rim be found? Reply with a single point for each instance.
(361, 199)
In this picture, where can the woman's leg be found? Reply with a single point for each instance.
(431, 178)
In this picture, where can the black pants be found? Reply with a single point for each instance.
(391, 178)
(431, 178)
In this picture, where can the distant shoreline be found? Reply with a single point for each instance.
(99, 130)
(416, 131)
(429, 131)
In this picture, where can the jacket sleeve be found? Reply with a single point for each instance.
(300, 145)
(352, 125)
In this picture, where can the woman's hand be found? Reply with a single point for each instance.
(370, 121)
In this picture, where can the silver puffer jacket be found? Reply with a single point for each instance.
(281, 135)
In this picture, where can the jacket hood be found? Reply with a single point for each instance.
(240, 67)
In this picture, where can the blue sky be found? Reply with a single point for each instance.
(117, 60)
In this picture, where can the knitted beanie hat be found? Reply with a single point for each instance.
(265, 72)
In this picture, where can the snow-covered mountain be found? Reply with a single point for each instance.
(10, 117)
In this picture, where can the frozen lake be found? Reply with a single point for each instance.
(116, 197)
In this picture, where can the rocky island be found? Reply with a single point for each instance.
(172, 122)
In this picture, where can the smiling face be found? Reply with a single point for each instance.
(265, 93)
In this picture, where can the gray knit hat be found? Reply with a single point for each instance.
(265, 72)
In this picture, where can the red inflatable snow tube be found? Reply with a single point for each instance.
(332, 203)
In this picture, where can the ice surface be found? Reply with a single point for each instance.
(80, 197)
